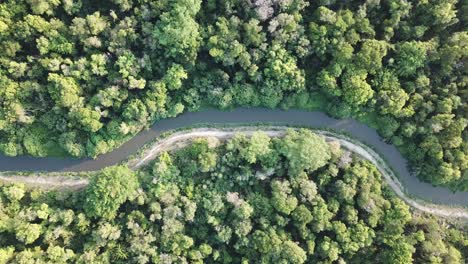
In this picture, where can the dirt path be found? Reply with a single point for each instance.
(48, 182)
(183, 138)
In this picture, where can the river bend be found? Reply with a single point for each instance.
(359, 131)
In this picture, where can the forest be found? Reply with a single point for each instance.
(80, 77)
(297, 199)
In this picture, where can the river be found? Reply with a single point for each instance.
(359, 131)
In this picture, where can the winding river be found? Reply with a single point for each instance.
(359, 131)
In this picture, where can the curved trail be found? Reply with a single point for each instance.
(180, 139)
(361, 132)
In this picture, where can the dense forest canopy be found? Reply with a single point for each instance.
(250, 200)
(78, 77)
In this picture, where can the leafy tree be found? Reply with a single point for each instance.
(292, 253)
(178, 32)
(88, 119)
(371, 54)
(108, 190)
(14, 192)
(282, 72)
(27, 233)
(64, 90)
(410, 57)
(304, 150)
(281, 198)
(356, 91)
(6, 254)
(43, 6)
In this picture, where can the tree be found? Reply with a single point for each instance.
(410, 56)
(356, 91)
(291, 253)
(88, 119)
(65, 91)
(389, 92)
(6, 254)
(178, 32)
(225, 43)
(43, 6)
(400, 253)
(253, 149)
(304, 150)
(98, 64)
(328, 83)
(258, 148)
(329, 249)
(440, 14)
(70, 143)
(14, 192)
(207, 161)
(302, 215)
(282, 200)
(35, 141)
(163, 168)
(59, 254)
(371, 54)
(135, 110)
(129, 68)
(27, 232)
(281, 71)
(174, 77)
(453, 51)
(108, 190)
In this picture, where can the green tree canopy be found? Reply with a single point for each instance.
(108, 190)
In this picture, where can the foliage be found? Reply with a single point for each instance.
(108, 190)
(241, 210)
(92, 75)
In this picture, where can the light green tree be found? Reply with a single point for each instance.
(108, 190)
(304, 150)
